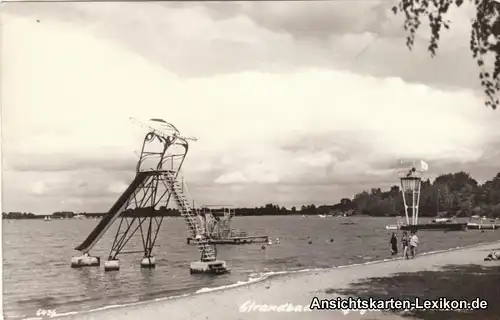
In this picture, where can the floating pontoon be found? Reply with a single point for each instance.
(217, 223)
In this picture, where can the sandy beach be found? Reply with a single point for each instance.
(297, 289)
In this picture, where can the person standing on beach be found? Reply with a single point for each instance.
(413, 244)
(404, 241)
(394, 245)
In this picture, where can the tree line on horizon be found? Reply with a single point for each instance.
(452, 194)
(449, 195)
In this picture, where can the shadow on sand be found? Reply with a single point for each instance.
(453, 282)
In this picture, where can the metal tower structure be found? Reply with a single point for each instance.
(155, 185)
(411, 180)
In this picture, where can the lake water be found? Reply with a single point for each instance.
(37, 254)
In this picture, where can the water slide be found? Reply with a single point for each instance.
(113, 213)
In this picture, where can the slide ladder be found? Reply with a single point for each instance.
(196, 231)
(113, 213)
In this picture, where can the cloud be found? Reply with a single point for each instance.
(365, 37)
(288, 133)
(70, 162)
(38, 187)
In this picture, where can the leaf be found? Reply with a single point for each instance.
(485, 25)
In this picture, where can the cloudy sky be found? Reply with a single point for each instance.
(293, 103)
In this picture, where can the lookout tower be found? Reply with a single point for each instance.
(411, 180)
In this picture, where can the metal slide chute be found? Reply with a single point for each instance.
(113, 213)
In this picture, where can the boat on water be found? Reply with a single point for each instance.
(397, 226)
(392, 227)
(441, 220)
(79, 217)
(47, 218)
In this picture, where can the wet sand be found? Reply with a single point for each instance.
(297, 289)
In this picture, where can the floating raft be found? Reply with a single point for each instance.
(235, 240)
(482, 226)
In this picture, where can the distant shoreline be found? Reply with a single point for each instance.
(449, 195)
(41, 217)
(100, 215)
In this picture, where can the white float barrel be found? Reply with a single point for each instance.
(112, 265)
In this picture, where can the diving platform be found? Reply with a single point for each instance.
(157, 183)
(235, 240)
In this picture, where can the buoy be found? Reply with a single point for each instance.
(331, 240)
(263, 247)
(148, 262)
(310, 241)
(112, 265)
(85, 261)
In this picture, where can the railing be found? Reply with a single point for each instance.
(180, 191)
(187, 194)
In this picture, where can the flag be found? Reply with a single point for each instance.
(405, 164)
(423, 165)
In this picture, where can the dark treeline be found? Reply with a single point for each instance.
(451, 194)
(20, 215)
